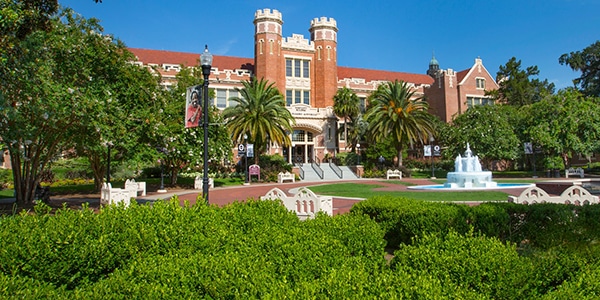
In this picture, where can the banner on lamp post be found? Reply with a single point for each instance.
(427, 150)
(193, 106)
(250, 150)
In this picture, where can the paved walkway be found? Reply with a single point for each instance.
(224, 195)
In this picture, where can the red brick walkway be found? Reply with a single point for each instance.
(224, 195)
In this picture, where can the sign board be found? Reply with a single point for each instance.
(250, 150)
(193, 106)
(528, 147)
(254, 170)
(427, 150)
(241, 149)
(436, 150)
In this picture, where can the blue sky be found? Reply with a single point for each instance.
(383, 35)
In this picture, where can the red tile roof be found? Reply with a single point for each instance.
(461, 75)
(160, 57)
(370, 75)
(188, 59)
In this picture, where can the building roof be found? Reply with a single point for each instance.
(461, 74)
(373, 75)
(220, 62)
(160, 57)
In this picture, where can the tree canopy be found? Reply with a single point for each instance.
(517, 88)
(396, 113)
(260, 113)
(587, 62)
(71, 86)
(488, 131)
(565, 124)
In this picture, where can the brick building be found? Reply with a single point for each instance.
(307, 74)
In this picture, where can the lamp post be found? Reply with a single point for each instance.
(246, 181)
(206, 61)
(431, 140)
(358, 147)
(161, 189)
(108, 146)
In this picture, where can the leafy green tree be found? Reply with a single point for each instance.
(396, 113)
(516, 86)
(182, 148)
(566, 124)
(488, 131)
(260, 113)
(70, 87)
(20, 18)
(346, 106)
(587, 62)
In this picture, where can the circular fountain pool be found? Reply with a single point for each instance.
(441, 187)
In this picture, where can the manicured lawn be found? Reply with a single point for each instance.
(360, 190)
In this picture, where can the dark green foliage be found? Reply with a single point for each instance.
(271, 165)
(403, 219)
(480, 264)
(259, 250)
(540, 226)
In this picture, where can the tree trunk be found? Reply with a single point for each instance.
(25, 178)
(98, 170)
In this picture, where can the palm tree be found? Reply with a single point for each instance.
(346, 105)
(260, 114)
(394, 112)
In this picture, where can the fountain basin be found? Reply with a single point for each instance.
(478, 179)
(442, 187)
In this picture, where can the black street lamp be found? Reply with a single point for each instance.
(358, 150)
(108, 146)
(206, 62)
(246, 179)
(431, 140)
(164, 151)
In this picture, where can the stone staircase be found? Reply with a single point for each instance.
(328, 173)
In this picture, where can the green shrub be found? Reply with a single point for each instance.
(6, 178)
(71, 168)
(483, 265)
(271, 165)
(402, 219)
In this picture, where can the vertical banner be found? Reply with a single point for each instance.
(250, 150)
(528, 147)
(427, 150)
(193, 108)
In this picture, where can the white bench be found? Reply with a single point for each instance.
(305, 203)
(573, 171)
(573, 195)
(198, 183)
(110, 195)
(287, 176)
(134, 187)
(394, 173)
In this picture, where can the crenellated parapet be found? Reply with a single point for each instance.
(268, 21)
(298, 42)
(324, 22)
(268, 14)
(323, 29)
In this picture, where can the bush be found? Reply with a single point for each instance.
(271, 165)
(71, 168)
(6, 178)
(481, 264)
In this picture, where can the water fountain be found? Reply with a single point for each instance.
(468, 174)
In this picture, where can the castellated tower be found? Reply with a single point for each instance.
(323, 32)
(267, 47)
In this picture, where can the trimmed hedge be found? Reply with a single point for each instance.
(541, 226)
(259, 250)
